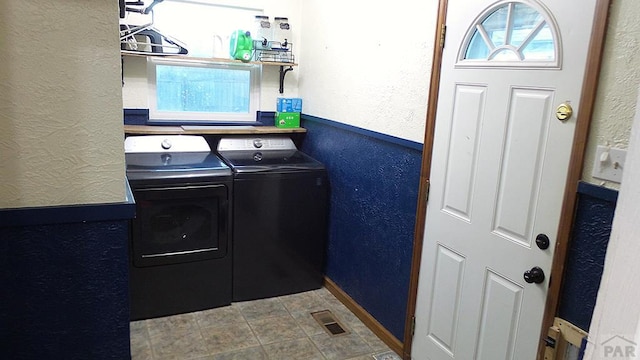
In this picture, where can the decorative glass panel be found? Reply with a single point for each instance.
(512, 32)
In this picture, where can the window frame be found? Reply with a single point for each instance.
(556, 63)
(196, 117)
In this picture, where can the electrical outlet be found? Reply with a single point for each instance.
(609, 164)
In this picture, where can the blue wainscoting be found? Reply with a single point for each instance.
(585, 258)
(374, 188)
(64, 282)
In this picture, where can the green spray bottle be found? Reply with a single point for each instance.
(241, 45)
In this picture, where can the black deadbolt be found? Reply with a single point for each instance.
(535, 275)
(542, 241)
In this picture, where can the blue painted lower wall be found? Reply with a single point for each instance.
(64, 283)
(374, 183)
(374, 187)
(585, 257)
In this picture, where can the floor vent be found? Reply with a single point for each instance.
(329, 322)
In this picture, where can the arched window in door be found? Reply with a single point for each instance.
(512, 34)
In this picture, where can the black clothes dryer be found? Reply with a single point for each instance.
(180, 250)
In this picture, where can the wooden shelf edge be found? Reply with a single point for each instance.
(215, 60)
(205, 130)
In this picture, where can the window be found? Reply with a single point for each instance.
(199, 91)
(512, 34)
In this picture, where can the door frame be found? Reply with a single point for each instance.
(583, 121)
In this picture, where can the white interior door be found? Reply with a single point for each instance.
(499, 166)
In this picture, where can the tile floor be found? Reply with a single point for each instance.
(278, 328)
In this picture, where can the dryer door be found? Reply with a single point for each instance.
(180, 224)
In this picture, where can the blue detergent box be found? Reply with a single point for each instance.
(286, 105)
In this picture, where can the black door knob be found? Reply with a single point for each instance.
(542, 240)
(535, 275)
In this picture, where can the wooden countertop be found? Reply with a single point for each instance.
(208, 129)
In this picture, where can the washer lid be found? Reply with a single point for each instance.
(169, 165)
(242, 161)
(171, 157)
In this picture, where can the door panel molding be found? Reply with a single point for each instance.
(585, 111)
(445, 305)
(504, 334)
(518, 189)
(469, 105)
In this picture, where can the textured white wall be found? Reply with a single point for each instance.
(617, 312)
(135, 90)
(60, 104)
(367, 64)
(618, 87)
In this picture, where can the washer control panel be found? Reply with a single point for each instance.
(263, 143)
